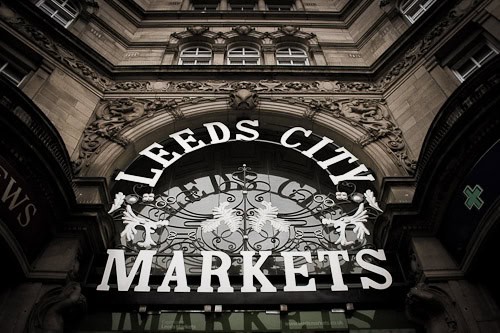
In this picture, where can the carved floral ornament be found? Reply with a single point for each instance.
(114, 116)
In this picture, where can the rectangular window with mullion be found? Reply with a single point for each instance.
(12, 72)
(474, 60)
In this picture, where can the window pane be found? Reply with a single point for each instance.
(236, 51)
(483, 53)
(49, 7)
(467, 68)
(279, 8)
(250, 52)
(12, 73)
(413, 9)
(205, 6)
(242, 6)
(62, 11)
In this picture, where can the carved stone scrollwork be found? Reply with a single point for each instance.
(433, 308)
(243, 29)
(369, 114)
(112, 117)
(417, 51)
(197, 29)
(289, 29)
(55, 307)
(262, 85)
(56, 50)
(243, 99)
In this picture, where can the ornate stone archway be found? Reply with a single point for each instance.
(124, 126)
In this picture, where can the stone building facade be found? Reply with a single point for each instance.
(406, 91)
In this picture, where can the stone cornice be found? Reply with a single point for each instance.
(90, 72)
(138, 15)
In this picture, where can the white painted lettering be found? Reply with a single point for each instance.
(124, 281)
(250, 271)
(184, 142)
(314, 149)
(353, 175)
(254, 133)
(177, 265)
(221, 272)
(214, 136)
(291, 270)
(287, 134)
(367, 282)
(333, 257)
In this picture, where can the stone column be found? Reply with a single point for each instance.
(185, 4)
(268, 53)
(317, 56)
(219, 51)
(223, 5)
(261, 5)
(299, 5)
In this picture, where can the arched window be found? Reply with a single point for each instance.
(243, 56)
(291, 56)
(413, 9)
(62, 11)
(196, 56)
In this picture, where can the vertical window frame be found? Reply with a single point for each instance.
(6, 64)
(423, 6)
(289, 58)
(64, 6)
(477, 63)
(244, 58)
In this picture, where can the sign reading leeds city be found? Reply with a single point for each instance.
(258, 225)
(247, 131)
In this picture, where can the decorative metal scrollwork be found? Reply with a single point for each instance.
(248, 216)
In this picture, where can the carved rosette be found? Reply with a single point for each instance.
(112, 117)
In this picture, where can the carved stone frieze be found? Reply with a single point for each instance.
(371, 115)
(243, 99)
(112, 117)
(244, 30)
(257, 86)
(416, 52)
